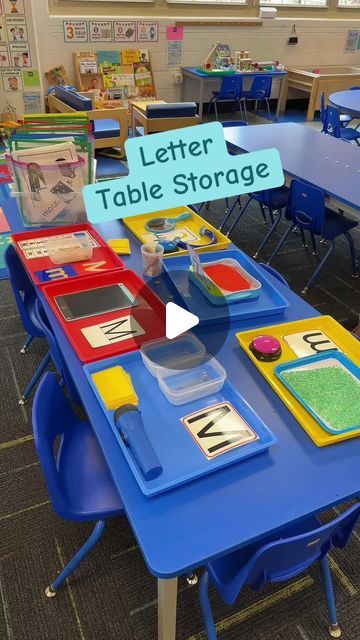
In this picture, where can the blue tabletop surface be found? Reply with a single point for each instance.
(319, 159)
(181, 529)
(202, 74)
(347, 101)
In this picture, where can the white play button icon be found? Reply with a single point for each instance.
(178, 320)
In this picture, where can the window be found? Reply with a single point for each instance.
(212, 2)
(349, 3)
(297, 3)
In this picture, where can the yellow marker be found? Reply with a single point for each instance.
(115, 387)
(121, 246)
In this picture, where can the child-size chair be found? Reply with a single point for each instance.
(344, 118)
(230, 91)
(77, 477)
(332, 126)
(55, 352)
(25, 298)
(278, 559)
(272, 201)
(259, 91)
(306, 210)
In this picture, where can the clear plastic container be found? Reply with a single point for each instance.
(183, 386)
(181, 352)
(65, 250)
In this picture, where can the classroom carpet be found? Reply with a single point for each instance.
(112, 596)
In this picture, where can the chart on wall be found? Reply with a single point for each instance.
(20, 86)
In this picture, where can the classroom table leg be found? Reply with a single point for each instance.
(201, 98)
(280, 98)
(167, 602)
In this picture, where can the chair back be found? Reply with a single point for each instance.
(234, 123)
(260, 88)
(23, 289)
(354, 88)
(52, 416)
(288, 557)
(55, 351)
(331, 124)
(306, 207)
(231, 88)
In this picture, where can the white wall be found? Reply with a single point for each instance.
(320, 42)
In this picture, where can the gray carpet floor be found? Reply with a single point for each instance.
(112, 596)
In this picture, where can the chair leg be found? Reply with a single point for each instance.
(216, 111)
(226, 205)
(303, 239)
(334, 628)
(78, 557)
(35, 379)
(262, 209)
(206, 607)
(228, 214)
(27, 343)
(269, 234)
(280, 243)
(240, 214)
(313, 243)
(318, 268)
(245, 111)
(354, 263)
(268, 108)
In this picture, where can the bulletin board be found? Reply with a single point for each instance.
(20, 81)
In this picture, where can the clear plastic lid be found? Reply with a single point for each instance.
(181, 352)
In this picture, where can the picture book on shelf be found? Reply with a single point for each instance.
(142, 73)
(109, 58)
(129, 56)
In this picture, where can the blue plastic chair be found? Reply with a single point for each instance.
(230, 91)
(55, 352)
(25, 298)
(344, 118)
(306, 210)
(259, 91)
(332, 126)
(78, 479)
(278, 559)
(271, 200)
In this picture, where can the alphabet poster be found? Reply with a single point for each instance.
(218, 428)
(124, 31)
(147, 31)
(309, 343)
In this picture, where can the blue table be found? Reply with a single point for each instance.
(347, 102)
(180, 530)
(197, 79)
(319, 159)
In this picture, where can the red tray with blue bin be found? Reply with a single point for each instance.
(102, 335)
(31, 249)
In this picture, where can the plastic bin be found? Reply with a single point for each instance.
(49, 195)
(221, 297)
(183, 386)
(182, 352)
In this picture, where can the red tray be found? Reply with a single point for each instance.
(149, 314)
(42, 271)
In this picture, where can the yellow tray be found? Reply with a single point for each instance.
(332, 330)
(193, 224)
